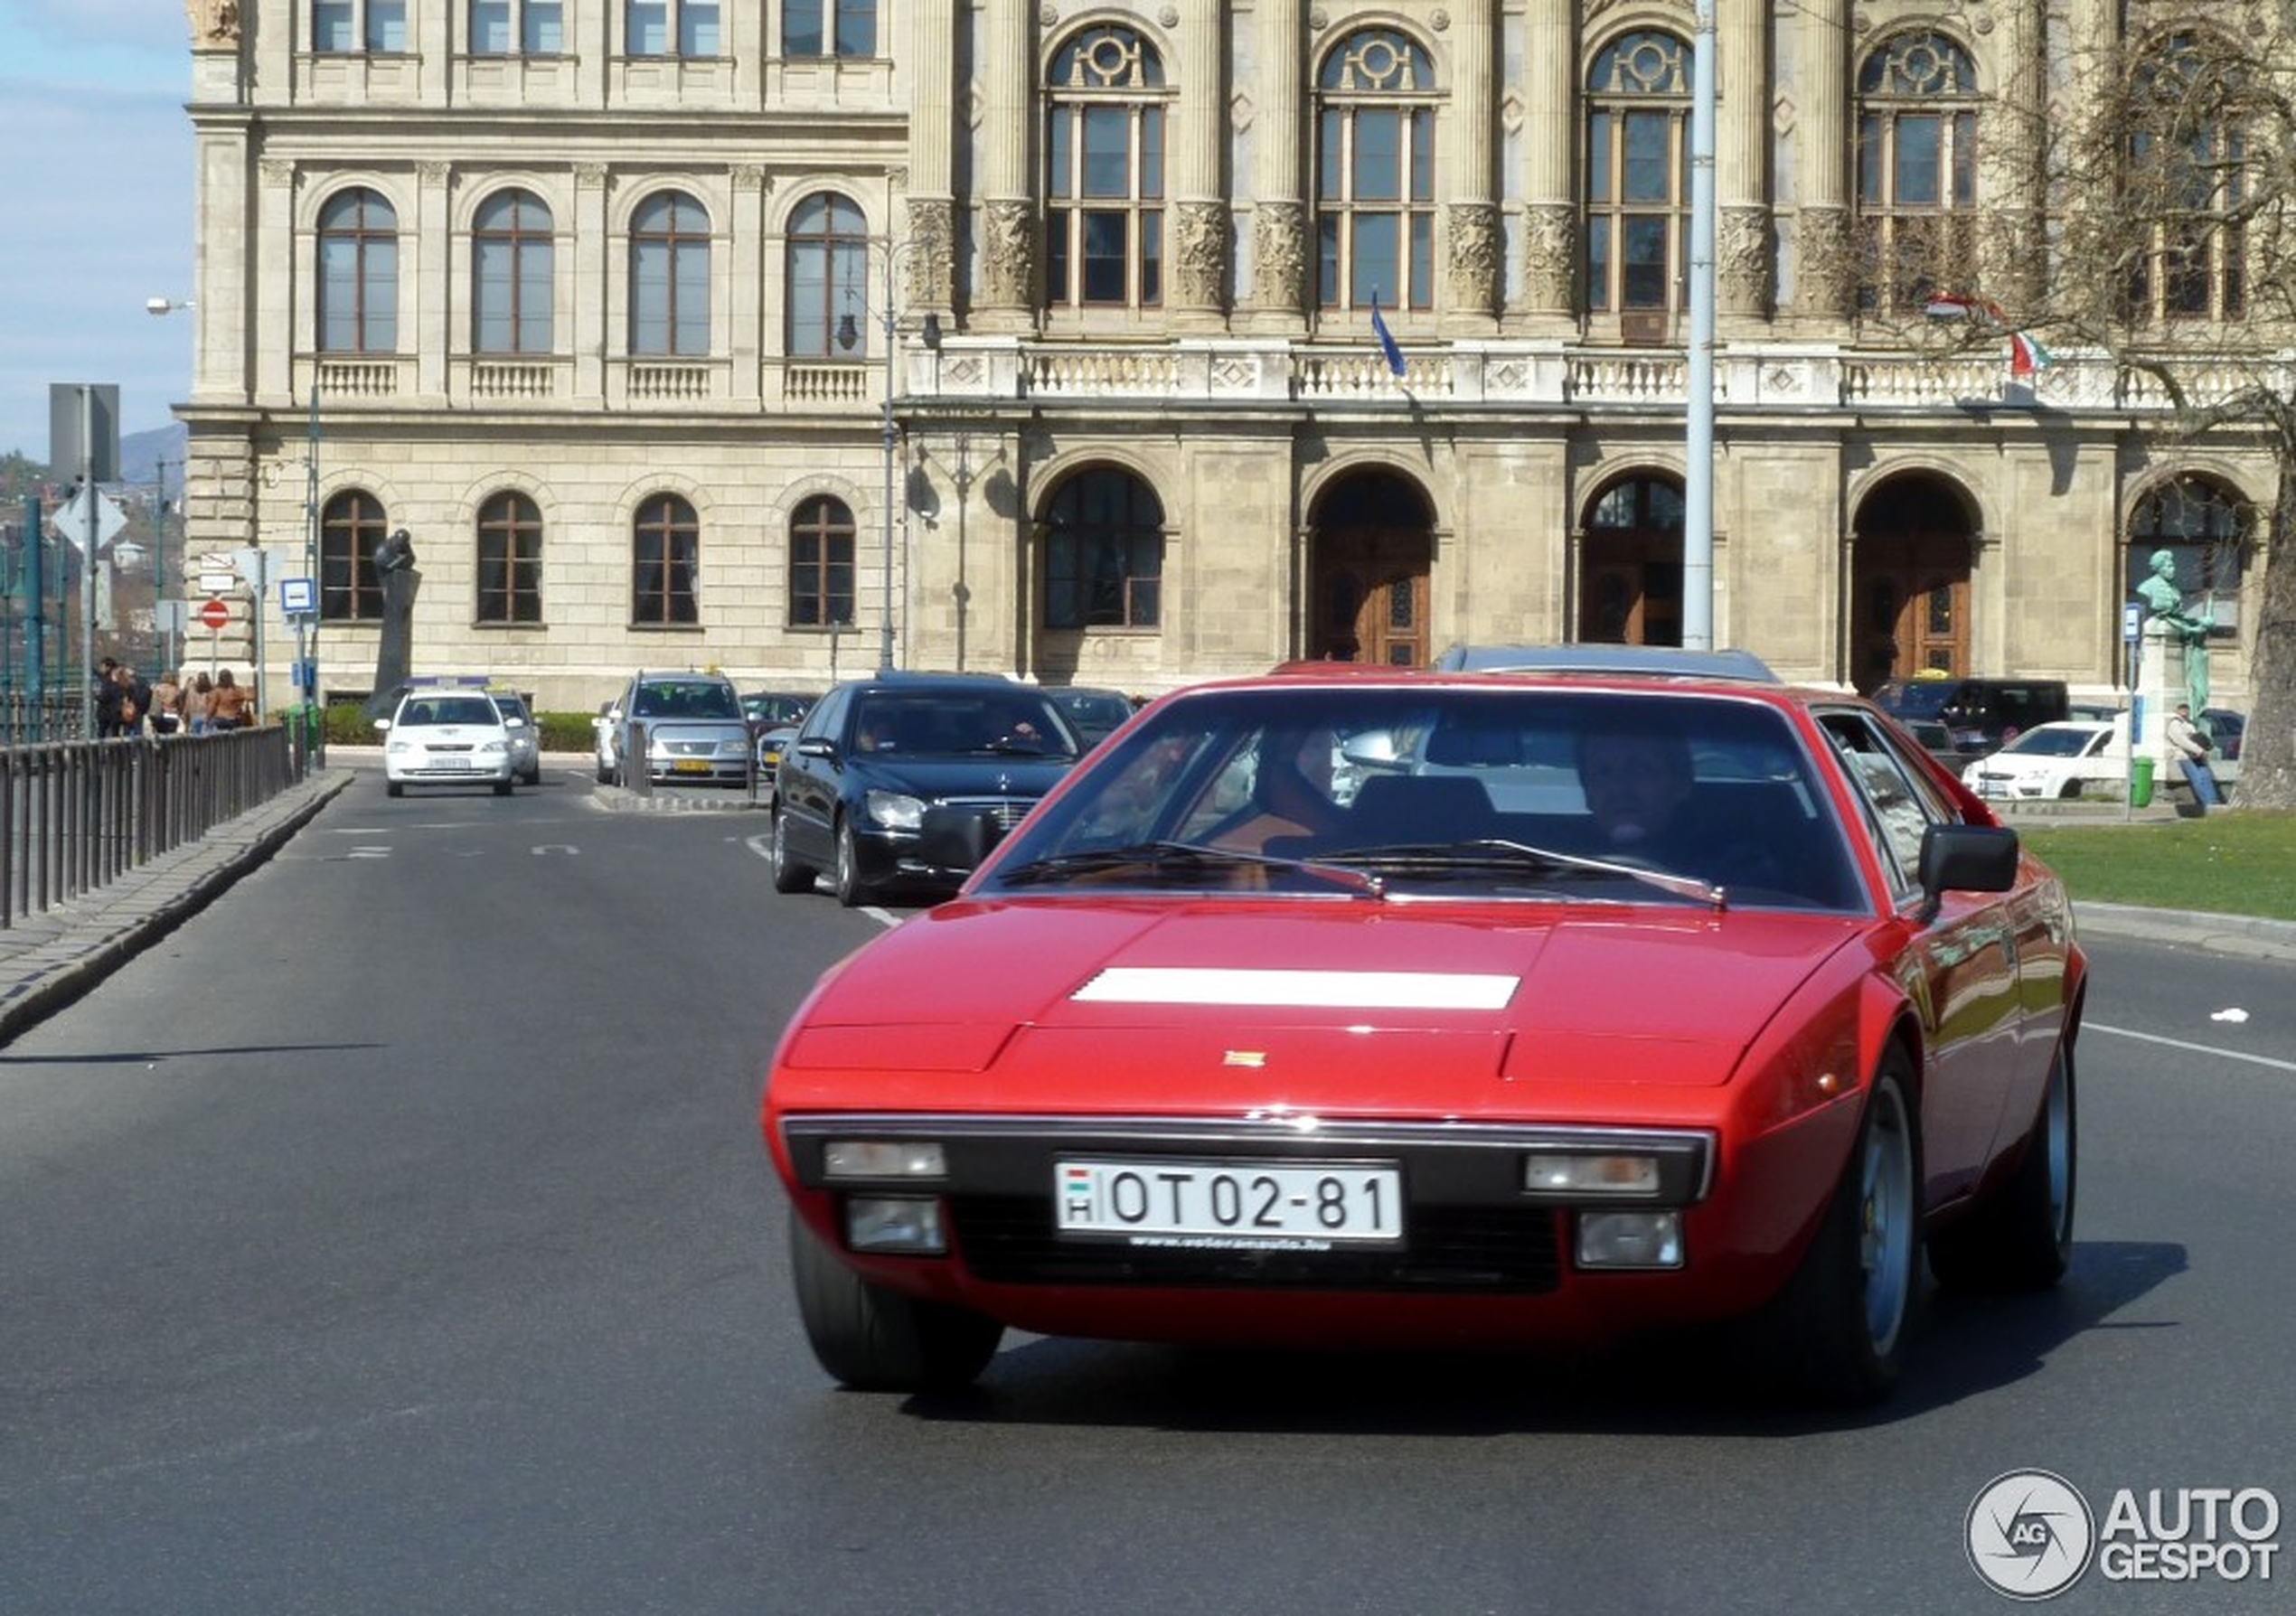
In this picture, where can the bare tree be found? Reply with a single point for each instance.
(2167, 265)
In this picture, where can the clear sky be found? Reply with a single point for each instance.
(96, 172)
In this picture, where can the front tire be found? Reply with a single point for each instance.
(788, 874)
(502, 788)
(851, 890)
(1840, 1327)
(874, 1340)
(2020, 1238)
(394, 788)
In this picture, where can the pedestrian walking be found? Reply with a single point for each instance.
(199, 697)
(167, 704)
(230, 707)
(2192, 746)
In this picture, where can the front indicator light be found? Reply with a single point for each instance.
(883, 1159)
(1579, 1173)
(899, 1224)
(1630, 1239)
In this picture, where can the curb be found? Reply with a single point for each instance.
(2245, 934)
(147, 905)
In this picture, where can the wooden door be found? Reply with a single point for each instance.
(1371, 597)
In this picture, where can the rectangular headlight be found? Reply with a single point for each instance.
(1630, 1239)
(883, 1159)
(1575, 1172)
(895, 1223)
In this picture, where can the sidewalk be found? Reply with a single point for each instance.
(48, 960)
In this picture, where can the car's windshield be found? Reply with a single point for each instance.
(681, 699)
(1918, 698)
(420, 711)
(1446, 791)
(1018, 722)
(2052, 743)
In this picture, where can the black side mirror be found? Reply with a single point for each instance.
(1966, 859)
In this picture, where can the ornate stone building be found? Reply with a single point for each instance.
(1128, 344)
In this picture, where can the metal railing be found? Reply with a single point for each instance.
(80, 815)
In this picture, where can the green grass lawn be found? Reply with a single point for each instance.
(2239, 863)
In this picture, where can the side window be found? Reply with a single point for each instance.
(1899, 802)
(827, 717)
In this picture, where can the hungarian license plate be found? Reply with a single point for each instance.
(438, 762)
(1246, 1201)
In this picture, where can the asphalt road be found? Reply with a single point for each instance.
(395, 1238)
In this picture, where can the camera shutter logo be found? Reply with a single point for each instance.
(2030, 1535)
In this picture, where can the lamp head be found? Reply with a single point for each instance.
(848, 333)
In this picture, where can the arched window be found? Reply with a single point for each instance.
(1638, 177)
(666, 563)
(828, 279)
(358, 273)
(1103, 181)
(511, 271)
(351, 529)
(670, 277)
(510, 559)
(2186, 181)
(829, 28)
(517, 27)
(1916, 172)
(820, 564)
(687, 28)
(1375, 173)
(1104, 553)
(2204, 527)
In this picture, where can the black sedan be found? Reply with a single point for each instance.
(910, 779)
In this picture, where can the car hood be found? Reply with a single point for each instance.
(1346, 1007)
(1016, 774)
(733, 729)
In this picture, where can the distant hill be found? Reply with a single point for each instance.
(141, 453)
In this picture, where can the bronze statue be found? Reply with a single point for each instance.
(394, 560)
(2165, 603)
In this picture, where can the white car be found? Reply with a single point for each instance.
(2062, 759)
(436, 736)
(525, 737)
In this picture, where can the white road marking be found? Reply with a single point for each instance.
(761, 844)
(2190, 1047)
(567, 847)
(368, 853)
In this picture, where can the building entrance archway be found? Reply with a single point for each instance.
(1909, 581)
(1373, 548)
(1630, 588)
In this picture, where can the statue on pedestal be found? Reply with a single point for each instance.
(214, 23)
(394, 646)
(2165, 604)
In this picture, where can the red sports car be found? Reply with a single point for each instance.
(1449, 1008)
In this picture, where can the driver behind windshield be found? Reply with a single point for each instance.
(1636, 776)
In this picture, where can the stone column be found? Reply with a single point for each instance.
(2015, 130)
(925, 66)
(1471, 216)
(591, 245)
(1280, 256)
(425, 325)
(276, 254)
(745, 239)
(222, 275)
(1197, 255)
(1825, 257)
(1745, 258)
(1007, 245)
(1550, 209)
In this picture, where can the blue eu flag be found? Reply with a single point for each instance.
(1387, 338)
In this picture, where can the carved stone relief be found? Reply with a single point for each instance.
(1474, 256)
(1826, 266)
(1744, 258)
(214, 23)
(1199, 261)
(1279, 255)
(1008, 260)
(1550, 257)
(932, 229)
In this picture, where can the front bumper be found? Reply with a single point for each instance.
(1481, 1257)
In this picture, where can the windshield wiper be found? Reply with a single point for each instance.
(1180, 857)
(1417, 858)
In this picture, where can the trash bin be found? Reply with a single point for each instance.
(2140, 783)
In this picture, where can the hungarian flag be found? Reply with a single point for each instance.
(2026, 356)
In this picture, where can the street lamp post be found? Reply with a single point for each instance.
(848, 333)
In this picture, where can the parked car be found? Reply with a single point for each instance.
(602, 735)
(1093, 715)
(1984, 714)
(912, 778)
(443, 736)
(2055, 760)
(695, 733)
(768, 710)
(525, 735)
(1221, 1047)
(2226, 729)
